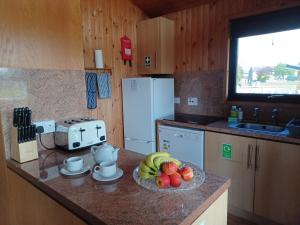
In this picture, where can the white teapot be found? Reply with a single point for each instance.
(105, 152)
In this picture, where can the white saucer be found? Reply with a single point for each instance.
(66, 172)
(98, 177)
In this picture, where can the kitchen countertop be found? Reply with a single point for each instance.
(222, 127)
(121, 202)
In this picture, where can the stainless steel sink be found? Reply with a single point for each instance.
(260, 127)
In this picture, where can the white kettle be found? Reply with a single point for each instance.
(105, 152)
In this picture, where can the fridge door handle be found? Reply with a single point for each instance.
(137, 140)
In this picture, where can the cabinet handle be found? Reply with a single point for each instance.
(249, 156)
(257, 157)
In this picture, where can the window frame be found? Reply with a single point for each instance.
(238, 31)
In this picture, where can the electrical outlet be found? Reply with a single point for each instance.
(193, 101)
(177, 100)
(48, 125)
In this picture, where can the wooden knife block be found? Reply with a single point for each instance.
(22, 152)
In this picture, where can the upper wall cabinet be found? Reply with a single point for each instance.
(155, 46)
(41, 34)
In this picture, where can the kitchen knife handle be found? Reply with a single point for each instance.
(23, 117)
(25, 134)
(33, 132)
(21, 134)
(29, 133)
(28, 118)
(19, 115)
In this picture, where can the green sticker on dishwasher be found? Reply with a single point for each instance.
(227, 151)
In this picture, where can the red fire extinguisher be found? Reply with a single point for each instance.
(126, 50)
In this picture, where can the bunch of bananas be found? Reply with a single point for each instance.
(150, 166)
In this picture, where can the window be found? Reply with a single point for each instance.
(264, 61)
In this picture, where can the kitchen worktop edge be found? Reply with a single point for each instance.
(221, 127)
(215, 185)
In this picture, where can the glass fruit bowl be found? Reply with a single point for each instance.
(198, 179)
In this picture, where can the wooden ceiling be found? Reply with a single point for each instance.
(155, 8)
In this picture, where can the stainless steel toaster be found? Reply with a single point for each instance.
(79, 133)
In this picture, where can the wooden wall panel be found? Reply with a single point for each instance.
(42, 34)
(202, 32)
(4, 203)
(104, 23)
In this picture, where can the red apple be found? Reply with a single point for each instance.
(169, 168)
(175, 179)
(187, 173)
(163, 181)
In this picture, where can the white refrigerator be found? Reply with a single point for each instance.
(144, 101)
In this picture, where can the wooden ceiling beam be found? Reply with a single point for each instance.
(154, 8)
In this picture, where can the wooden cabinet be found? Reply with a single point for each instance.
(155, 46)
(264, 174)
(216, 214)
(32, 207)
(277, 182)
(239, 168)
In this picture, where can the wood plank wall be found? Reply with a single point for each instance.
(41, 34)
(104, 23)
(4, 203)
(202, 32)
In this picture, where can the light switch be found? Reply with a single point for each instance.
(177, 100)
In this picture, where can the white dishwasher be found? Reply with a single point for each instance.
(183, 143)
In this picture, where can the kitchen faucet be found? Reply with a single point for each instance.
(274, 115)
(256, 114)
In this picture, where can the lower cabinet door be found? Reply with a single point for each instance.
(30, 206)
(277, 182)
(233, 156)
(216, 214)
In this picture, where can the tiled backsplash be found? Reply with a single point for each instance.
(210, 88)
(51, 94)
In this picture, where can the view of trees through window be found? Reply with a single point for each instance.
(269, 63)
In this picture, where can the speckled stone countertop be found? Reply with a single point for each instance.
(122, 202)
(222, 127)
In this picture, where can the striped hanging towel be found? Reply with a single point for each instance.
(91, 89)
(103, 81)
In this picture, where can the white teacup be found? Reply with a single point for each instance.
(106, 169)
(74, 164)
